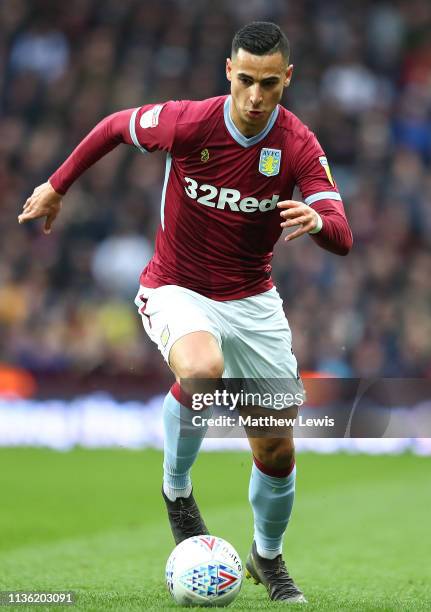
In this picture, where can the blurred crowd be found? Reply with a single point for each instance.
(362, 82)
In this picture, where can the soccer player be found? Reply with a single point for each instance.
(207, 298)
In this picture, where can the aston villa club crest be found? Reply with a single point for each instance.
(269, 162)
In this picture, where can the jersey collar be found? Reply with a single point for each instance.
(236, 134)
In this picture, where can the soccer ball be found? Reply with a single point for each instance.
(204, 571)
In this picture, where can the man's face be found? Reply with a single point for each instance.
(257, 83)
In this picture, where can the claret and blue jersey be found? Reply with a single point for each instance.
(219, 215)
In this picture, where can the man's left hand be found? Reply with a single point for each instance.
(297, 213)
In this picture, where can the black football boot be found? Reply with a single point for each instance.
(273, 574)
(184, 517)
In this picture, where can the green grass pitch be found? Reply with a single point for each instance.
(93, 522)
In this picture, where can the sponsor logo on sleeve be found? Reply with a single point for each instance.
(150, 118)
(269, 162)
(324, 163)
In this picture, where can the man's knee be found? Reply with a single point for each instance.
(197, 355)
(276, 453)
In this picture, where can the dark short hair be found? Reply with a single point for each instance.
(261, 38)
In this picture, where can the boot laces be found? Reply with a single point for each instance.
(188, 520)
(279, 579)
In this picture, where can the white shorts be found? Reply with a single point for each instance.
(253, 333)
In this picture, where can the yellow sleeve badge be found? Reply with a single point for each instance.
(324, 163)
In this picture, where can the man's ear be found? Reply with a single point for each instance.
(288, 75)
(229, 69)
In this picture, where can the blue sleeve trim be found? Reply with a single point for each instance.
(322, 195)
(132, 130)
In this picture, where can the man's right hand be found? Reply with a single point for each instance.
(43, 202)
